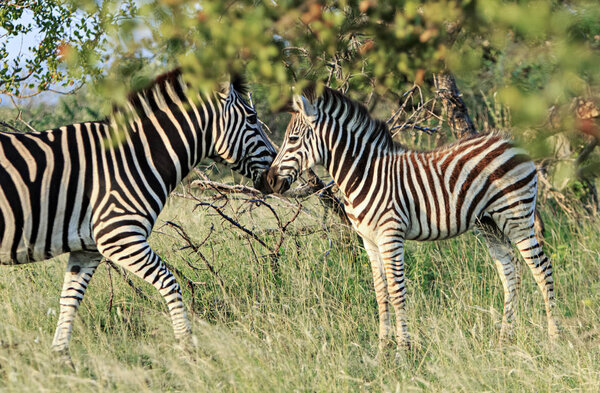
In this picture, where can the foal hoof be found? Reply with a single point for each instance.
(188, 344)
(385, 344)
(390, 351)
(507, 336)
(554, 331)
(63, 356)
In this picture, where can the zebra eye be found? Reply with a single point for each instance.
(252, 119)
(294, 138)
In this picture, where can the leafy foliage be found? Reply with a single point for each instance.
(66, 32)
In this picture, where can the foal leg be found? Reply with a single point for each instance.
(518, 225)
(80, 268)
(507, 265)
(391, 250)
(381, 293)
(541, 267)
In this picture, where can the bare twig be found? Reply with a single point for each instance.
(206, 185)
(196, 248)
(14, 129)
(123, 274)
(236, 224)
(20, 113)
(427, 130)
(284, 228)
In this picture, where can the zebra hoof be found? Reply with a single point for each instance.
(404, 343)
(188, 343)
(507, 335)
(554, 330)
(63, 356)
(385, 344)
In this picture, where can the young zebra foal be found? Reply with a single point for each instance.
(392, 194)
(95, 189)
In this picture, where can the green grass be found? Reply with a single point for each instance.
(311, 326)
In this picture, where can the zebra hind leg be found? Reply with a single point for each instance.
(80, 269)
(522, 234)
(137, 257)
(501, 251)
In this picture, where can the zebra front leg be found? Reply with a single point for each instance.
(80, 269)
(392, 253)
(381, 294)
(136, 256)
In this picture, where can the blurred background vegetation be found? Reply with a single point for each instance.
(526, 67)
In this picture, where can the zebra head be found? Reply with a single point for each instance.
(299, 151)
(241, 142)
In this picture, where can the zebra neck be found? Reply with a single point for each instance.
(173, 133)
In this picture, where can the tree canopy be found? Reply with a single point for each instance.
(534, 53)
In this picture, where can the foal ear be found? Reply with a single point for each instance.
(303, 105)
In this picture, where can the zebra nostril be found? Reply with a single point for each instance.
(262, 183)
(285, 185)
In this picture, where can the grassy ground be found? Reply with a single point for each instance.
(312, 325)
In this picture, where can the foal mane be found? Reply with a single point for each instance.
(359, 112)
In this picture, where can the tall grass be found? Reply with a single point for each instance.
(310, 326)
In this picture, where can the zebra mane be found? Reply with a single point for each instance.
(361, 114)
(360, 111)
(240, 84)
(145, 97)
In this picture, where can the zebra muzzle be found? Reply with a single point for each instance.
(278, 183)
(271, 182)
(261, 183)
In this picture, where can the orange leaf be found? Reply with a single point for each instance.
(364, 5)
(428, 34)
(420, 76)
(366, 46)
(314, 13)
(64, 51)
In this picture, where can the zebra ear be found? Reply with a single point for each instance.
(304, 106)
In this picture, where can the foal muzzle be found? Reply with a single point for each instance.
(271, 182)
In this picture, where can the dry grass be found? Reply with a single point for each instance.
(312, 326)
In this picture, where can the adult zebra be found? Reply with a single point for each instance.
(95, 189)
(392, 194)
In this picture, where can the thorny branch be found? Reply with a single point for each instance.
(13, 129)
(236, 224)
(196, 248)
(273, 246)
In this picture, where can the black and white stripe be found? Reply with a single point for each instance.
(392, 194)
(95, 189)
